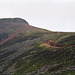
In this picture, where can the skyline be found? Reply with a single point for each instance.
(55, 15)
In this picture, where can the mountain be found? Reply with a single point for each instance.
(28, 50)
(10, 27)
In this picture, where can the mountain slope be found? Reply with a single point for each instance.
(10, 27)
(28, 50)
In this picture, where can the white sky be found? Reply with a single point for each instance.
(55, 15)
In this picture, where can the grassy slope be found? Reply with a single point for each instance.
(40, 56)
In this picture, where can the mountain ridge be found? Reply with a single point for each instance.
(18, 20)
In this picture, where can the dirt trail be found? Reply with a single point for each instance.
(47, 44)
(10, 37)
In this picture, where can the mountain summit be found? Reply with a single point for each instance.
(13, 20)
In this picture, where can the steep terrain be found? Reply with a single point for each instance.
(27, 50)
(10, 27)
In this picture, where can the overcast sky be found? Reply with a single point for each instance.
(55, 15)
